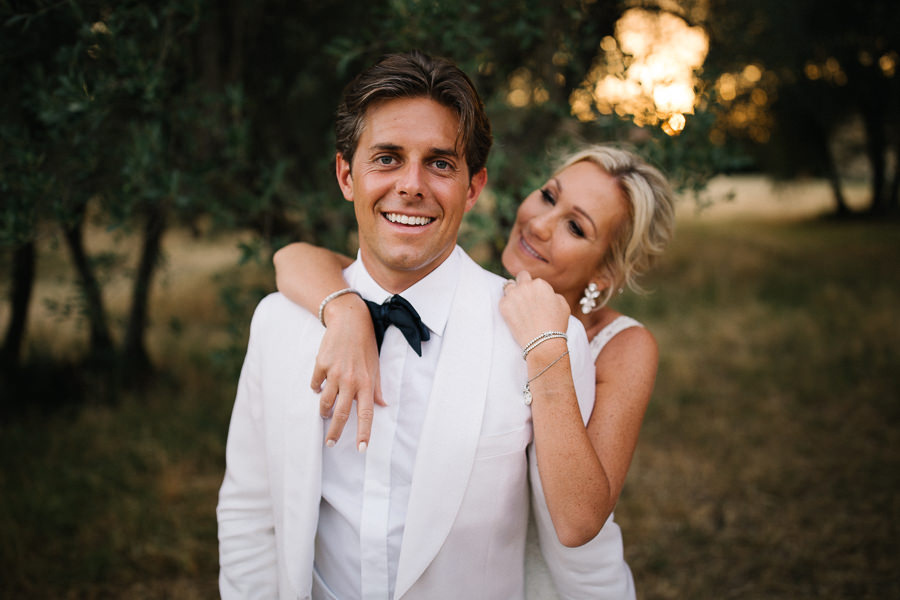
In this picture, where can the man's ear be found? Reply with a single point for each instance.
(344, 176)
(476, 184)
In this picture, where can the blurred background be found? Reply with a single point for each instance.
(153, 156)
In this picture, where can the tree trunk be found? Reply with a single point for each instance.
(876, 147)
(894, 195)
(134, 352)
(101, 346)
(834, 177)
(20, 299)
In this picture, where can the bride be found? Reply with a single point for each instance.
(590, 231)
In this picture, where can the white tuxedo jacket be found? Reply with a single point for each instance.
(467, 516)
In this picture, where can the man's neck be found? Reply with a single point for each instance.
(397, 281)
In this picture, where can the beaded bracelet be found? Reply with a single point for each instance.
(547, 335)
(331, 297)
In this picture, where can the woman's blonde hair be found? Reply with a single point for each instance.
(642, 238)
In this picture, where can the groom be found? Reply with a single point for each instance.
(437, 506)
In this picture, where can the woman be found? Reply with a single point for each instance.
(594, 227)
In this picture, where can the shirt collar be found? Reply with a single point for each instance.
(431, 296)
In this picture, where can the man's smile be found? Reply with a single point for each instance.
(407, 219)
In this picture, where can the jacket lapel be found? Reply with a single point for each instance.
(452, 427)
(303, 432)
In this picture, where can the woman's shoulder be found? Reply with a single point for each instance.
(626, 346)
(616, 324)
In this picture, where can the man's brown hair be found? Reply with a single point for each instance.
(416, 75)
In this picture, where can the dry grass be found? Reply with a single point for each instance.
(767, 468)
(185, 305)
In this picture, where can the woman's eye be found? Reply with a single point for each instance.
(547, 197)
(575, 228)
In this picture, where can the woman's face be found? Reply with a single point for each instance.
(563, 230)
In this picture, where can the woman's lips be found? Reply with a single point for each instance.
(526, 247)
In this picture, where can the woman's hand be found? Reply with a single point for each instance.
(347, 363)
(530, 307)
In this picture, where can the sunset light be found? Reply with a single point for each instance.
(646, 72)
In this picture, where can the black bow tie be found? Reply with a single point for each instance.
(397, 311)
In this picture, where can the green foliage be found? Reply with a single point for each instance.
(111, 110)
(218, 115)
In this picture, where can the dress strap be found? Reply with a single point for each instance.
(618, 325)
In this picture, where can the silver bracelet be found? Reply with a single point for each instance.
(527, 391)
(537, 341)
(331, 297)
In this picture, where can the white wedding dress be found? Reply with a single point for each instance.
(597, 570)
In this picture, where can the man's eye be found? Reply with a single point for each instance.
(385, 160)
(443, 165)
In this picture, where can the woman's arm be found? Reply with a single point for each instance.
(306, 274)
(626, 374)
(575, 486)
(347, 362)
(581, 469)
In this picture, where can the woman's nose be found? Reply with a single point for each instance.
(541, 226)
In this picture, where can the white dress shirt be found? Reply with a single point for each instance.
(365, 496)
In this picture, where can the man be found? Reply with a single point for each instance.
(436, 506)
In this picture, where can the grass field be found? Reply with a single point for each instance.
(768, 466)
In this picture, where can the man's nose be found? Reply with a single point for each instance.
(410, 181)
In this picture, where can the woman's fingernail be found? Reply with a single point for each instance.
(329, 443)
(362, 447)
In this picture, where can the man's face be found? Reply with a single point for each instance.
(410, 188)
